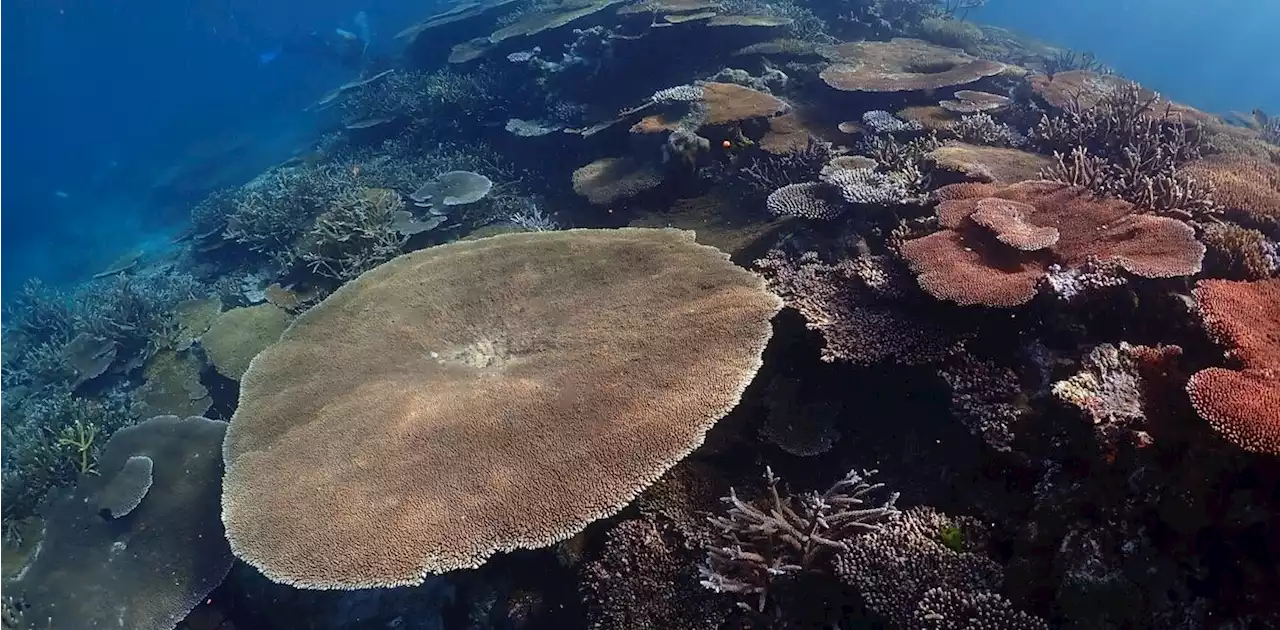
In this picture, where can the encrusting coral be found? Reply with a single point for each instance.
(499, 365)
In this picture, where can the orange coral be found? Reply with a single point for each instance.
(980, 258)
(1241, 405)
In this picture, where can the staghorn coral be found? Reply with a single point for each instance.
(764, 173)
(896, 155)
(1127, 143)
(145, 571)
(868, 187)
(951, 33)
(1240, 404)
(479, 361)
(909, 573)
(881, 19)
(758, 545)
(50, 436)
(880, 121)
(981, 128)
(966, 263)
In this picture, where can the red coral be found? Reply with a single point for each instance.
(985, 259)
(1243, 406)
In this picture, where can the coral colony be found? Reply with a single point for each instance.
(599, 314)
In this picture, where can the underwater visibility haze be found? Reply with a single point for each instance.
(640, 315)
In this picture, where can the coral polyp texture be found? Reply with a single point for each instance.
(999, 242)
(1241, 402)
(484, 396)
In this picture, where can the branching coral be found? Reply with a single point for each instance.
(981, 128)
(987, 398)
(786, 535)
(977, 261)
(1238, 253)
(50, 437)
(859, 306)
(764, 173)
(910, 572)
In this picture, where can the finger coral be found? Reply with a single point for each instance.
(998, 241)
(484, 396)
(1240, 404)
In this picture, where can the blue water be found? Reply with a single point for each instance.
(102, 97)
(1217, 56)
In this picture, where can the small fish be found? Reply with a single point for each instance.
(61, 194)
(345, 34)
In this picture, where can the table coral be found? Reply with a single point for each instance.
(1241, 404)
(969, 263)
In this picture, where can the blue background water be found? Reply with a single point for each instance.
(102, 97)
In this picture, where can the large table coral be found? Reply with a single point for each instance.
(1243, 405)
(998, 242)
(484, 396)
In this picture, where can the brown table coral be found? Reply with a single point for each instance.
(998, 242)
(1242, 405)
(902, 65)
(484, 396)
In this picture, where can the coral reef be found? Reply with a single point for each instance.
(1241, 404)
(979, 260)
(1070, 379)
(464, 384)
(758, 546)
